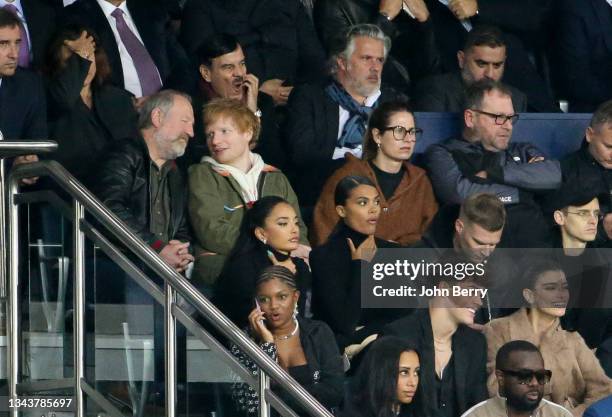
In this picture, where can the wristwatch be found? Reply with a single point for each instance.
(258, 113)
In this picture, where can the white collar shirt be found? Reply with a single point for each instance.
(344, 115)
(130, 75)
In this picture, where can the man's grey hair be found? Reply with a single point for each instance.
(348, 47)
(162, 100)
(603, 115)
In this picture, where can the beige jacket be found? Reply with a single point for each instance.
(496, 407)
(578, 379)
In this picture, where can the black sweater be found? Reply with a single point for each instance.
(336, 289)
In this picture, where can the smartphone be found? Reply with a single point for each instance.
(259, 310)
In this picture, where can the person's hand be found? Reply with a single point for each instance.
(481, 174)
(302, 252)
(177, 255)
(419, 9)
(274, 88)
(84, 46)
(251, 85)
(463, 9)
(535, 159)
(258, 327)
(352, 350)
(287, 263)
(390, 8)
(478, 327)
(607, 225)
(138, 102)
(26, 159)
(365, 251)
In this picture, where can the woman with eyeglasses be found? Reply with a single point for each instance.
(406, 197)
(577, 379)
(304, 348)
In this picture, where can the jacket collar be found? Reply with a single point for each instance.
(499, 406)
(520, 328)
(224, 173)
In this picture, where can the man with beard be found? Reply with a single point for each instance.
(483, 56)
(224, 74)
(521, 376)
(484, 159)
(140, 182)
(326, 122)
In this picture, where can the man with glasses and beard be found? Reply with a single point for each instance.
(484, 159)
(521, 376)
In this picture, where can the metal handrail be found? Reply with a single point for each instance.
(9, 149)
(177, 282)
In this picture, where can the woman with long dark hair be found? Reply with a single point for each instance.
(304, 348)
(85, 112)
(269, 234)
(387, 380)
(406, 196)
(336, 267)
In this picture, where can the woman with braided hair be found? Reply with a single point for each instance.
(304, 348)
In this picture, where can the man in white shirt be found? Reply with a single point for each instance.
(326, 122)
(143, 53)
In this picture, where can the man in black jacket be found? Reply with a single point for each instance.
(592, 164)
(485, 160)
(406, 22)
(224, 72)
(324, 123)
(453, 356)
(483, 56)
(22, 97)
(140, 182)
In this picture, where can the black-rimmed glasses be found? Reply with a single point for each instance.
(500, 119)
(525, 376)
(400, 132)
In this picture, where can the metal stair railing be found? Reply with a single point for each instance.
(174, 285)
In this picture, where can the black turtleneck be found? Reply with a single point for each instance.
(235, 288)
(387, 181)
(336, 290)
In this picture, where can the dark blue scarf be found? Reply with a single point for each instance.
(355, 127)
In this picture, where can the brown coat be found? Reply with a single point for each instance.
(404, 217)
(577, 377)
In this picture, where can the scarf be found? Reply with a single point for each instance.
(246, 180)
(355, 127)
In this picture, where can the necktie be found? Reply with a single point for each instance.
(24, 49)
(145, 67)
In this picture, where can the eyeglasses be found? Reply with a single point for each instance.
(525, 376)
(587, 213)
(400, 132)
(500, 119)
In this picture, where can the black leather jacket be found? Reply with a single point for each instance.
(122, 185)
(414, 53)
